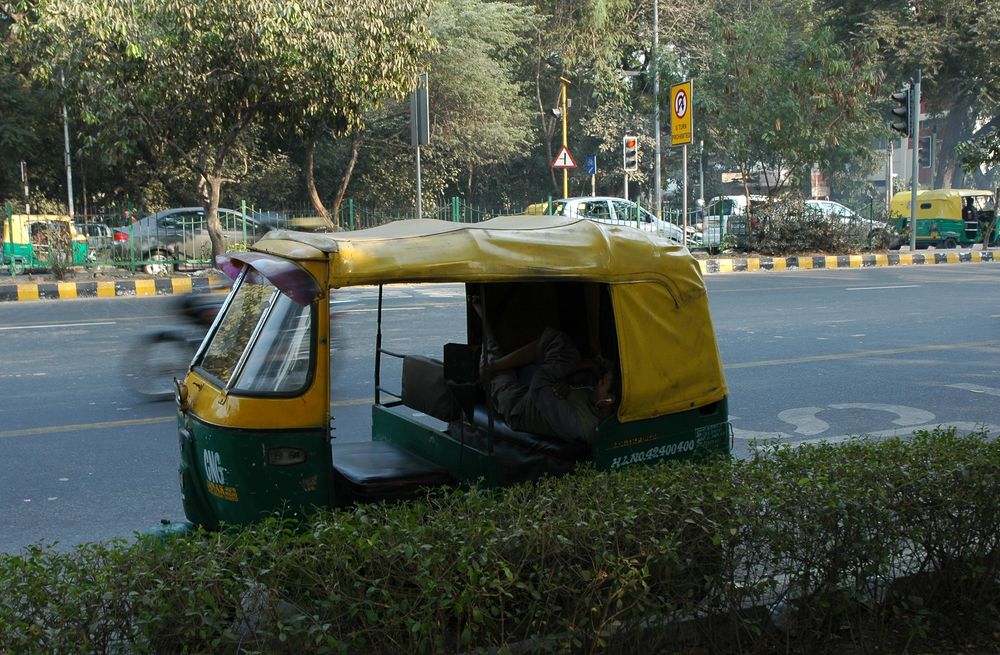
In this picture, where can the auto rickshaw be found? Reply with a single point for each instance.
(31, 240)
(254, 410)
(939, 218)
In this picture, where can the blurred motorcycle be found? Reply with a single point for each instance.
(152, 363)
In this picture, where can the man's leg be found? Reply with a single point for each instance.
(505, 393)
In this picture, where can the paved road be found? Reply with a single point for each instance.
(808, 355)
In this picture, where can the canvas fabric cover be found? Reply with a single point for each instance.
(669, 357)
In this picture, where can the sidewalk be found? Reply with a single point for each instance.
(10, 290)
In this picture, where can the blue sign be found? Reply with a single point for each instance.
(590, 165)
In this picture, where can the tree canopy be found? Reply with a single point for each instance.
(194, 82)
(291, 102)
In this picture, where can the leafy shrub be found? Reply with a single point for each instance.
(791, 227)
(793, 550)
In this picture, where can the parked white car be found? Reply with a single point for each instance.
(613, 211)
(872, 232)
(719, 211)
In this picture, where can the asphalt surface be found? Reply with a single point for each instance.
(808, 354)
(15, 289)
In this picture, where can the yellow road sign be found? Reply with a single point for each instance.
(681, 114)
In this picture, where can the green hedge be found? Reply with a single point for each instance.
(795, 550)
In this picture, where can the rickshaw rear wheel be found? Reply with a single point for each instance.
(950, 244)
(154, 361)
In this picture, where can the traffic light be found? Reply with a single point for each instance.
(926, 151)
(630, 147)
(900, 121)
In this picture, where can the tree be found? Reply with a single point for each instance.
(952, 42)
(480, 114)
(195, 80)
(778, 93)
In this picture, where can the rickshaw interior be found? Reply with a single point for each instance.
(440, 413)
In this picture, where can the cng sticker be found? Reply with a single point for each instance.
(215, 477)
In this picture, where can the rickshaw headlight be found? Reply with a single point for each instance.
(285, 456)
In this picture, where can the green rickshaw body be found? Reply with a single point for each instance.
(255, 407)
(939, 217)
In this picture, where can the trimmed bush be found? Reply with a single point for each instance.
(794, 550)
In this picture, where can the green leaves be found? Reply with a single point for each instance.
(592, 558)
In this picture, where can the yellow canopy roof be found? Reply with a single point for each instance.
(669, 356)
(505, 248)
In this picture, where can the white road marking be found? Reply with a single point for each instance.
(55, 325)
(976, 388)
(750, 435)
(804, 419)
(806, 423)
(961, 426)
(375, 309)
(898, 286)
(906, 415)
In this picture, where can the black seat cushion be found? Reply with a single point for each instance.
(534, 443)
(424, 388)
(375, 470)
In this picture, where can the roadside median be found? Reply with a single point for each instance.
(133, 287)
(14, 290)
(727, 264)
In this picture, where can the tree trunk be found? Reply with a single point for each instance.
(345, 179)
(211, 189)
(314, 198)
(949, 173)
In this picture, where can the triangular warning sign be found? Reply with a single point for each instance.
(564, 159)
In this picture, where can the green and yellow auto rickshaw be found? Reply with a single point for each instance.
(31, 241)
(254, 410)
(939, 218)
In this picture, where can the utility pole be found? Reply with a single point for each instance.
(66, 157)
(915, 182)
(419, 128)
(24, 180)
(564, 104)
(656, 107)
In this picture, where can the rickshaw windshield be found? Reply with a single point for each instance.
(262, 344)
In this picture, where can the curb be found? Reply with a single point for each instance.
(182, 285)
(107, 289)
(799, 262)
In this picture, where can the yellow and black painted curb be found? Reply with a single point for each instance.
(181, 285)
(801, 262)
(108, 289)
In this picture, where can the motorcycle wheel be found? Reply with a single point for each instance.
(152, 364)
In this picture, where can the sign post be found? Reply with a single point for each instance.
(682, 133)
(590, 165)
(563, 83)
(420, 134)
